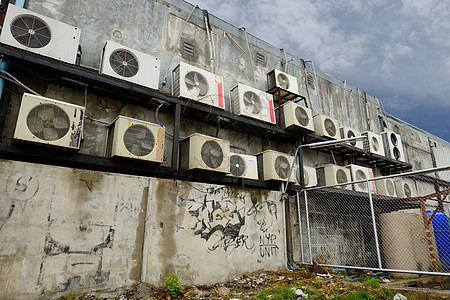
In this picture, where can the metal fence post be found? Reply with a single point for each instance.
(307, 225)
(300, 229)
(374, 224)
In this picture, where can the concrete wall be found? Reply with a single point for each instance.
(75, 229)
(65, 229)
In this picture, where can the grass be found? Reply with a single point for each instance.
(373, 281)
(359, 295)
(279, 293)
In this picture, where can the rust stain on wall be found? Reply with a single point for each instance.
(10, 271)
(135, 272)
(166, 198)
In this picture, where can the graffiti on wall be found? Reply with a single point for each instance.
(227, 220)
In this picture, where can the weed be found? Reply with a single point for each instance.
(359, 295)
(373, 282)
(277, 293)
(173, 285)
(317, 283)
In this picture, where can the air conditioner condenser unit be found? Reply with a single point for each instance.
(204, 152)
(385, 187)
(296, 117)
(136, 139)
(405, 189)
(393, 145)
(27, 30)
(287, 84)
(347, 132)
(373, 143)
(309, 176)
(361, 173)
(131, 65)
(50, 122)
(253, 103)
(330, 175)
(243, 166)
(274, 165)
(326, 126)
(199, 85)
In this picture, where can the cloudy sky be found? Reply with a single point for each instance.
(395, 50)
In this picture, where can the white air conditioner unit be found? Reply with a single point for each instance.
(347, 132)
(287, 83)
(332, 174)
(326, 126)
(373, 143)
(131, 65)
(405, 189)
(296, 117)
(136, 139)
(361, 173)
(243, 166)
(204, 152)
(274, 165)
(197, 84)
(51, 122)
(385, 187)
(309, 176)
(252, 103)
(393, 145)
(39, 34)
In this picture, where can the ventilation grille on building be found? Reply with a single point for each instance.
(260, 58)
(188, 49)
(310, 81)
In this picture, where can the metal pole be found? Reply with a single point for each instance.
(307, 225)
(300, 228)
(374, 224)
(176, 136)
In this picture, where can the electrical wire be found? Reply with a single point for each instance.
(175, 46)
(11, 78)
(157, 119)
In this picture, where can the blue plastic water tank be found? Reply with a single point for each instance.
(441, 228)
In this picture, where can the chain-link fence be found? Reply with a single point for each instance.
(401, 225)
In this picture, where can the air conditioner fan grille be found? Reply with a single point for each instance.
(124, 63)
(302, 116)
(139, 140)
(237, 165)
(282, 167)
(341, 177)
(212, 154)
(283, 81)
(330, 128)
(31, 31)
(390, 188)
(374, 143)
(196, 84)
(361, 175)
(48, 122)
(351, 134)
(394, 139)
(252, 102)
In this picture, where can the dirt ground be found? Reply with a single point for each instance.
(325, 284)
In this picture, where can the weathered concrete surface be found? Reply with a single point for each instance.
(208, 233)
(63, 229)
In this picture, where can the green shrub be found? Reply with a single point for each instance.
(173, 286)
